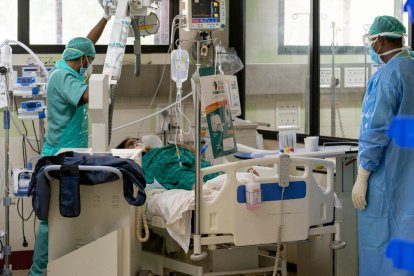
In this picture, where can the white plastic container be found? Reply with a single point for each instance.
(253, 193)
(287, 136)
(311, 143)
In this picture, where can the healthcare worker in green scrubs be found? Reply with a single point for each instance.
(67, 106)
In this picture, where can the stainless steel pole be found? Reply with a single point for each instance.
(6, 198)
(333, 85)
(197, 147)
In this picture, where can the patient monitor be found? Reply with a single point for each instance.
(205, 14)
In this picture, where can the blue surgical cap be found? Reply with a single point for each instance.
(78, 47)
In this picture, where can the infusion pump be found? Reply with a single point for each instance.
(205, 14)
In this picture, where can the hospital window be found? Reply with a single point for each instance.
(277, 86)
(53, 23)
(278, 73)
(341, 41)
(8, 14)
(349, 19)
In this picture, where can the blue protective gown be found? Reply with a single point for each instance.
(67, 128)
(390, 196)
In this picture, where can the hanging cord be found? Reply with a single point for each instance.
(140, 214)
(279, 235)
(180, 112)
(152, 115)
(24, 150)
(1, 246)
(179, 115)
(37, 140)
(30, 144)
(21, 215)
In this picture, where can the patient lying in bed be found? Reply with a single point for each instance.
(170, 195)
(171, 166)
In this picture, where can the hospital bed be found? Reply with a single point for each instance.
(233, 237)
(233, 233)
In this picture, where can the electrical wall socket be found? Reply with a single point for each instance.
(287, 113)
(166, 118)
(355, 77)
(326, 75)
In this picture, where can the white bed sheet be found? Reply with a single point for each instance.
(175, 206)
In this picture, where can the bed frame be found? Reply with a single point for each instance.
(307, 210)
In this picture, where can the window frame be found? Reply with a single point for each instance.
(23, 34)
(304, 50)
(314, 51)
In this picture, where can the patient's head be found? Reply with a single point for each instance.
(146, 143)
(129, 143)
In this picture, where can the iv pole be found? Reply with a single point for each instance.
(334, 82)
(198, 255)
(6, 198)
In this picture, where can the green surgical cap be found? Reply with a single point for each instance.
(78, 47)
(387, 24)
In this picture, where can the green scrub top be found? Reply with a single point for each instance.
(67, 122)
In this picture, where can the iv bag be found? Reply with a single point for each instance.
(180, 61)
(6, 57)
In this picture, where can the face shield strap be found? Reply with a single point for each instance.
(368, 39)
(394, 50)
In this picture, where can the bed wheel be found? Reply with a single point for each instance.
(145, 273)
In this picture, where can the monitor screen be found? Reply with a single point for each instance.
(25, 80)
(205, 11)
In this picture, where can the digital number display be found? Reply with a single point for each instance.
(25, 80)
(31, 105)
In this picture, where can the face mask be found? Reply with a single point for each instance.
(377, 57)
(82, 70)
(88, 73)
(89, 70)
(374, 56)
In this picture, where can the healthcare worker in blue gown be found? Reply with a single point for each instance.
(384, 189)
(67, 98)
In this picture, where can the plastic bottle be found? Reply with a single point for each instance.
(253, 193)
